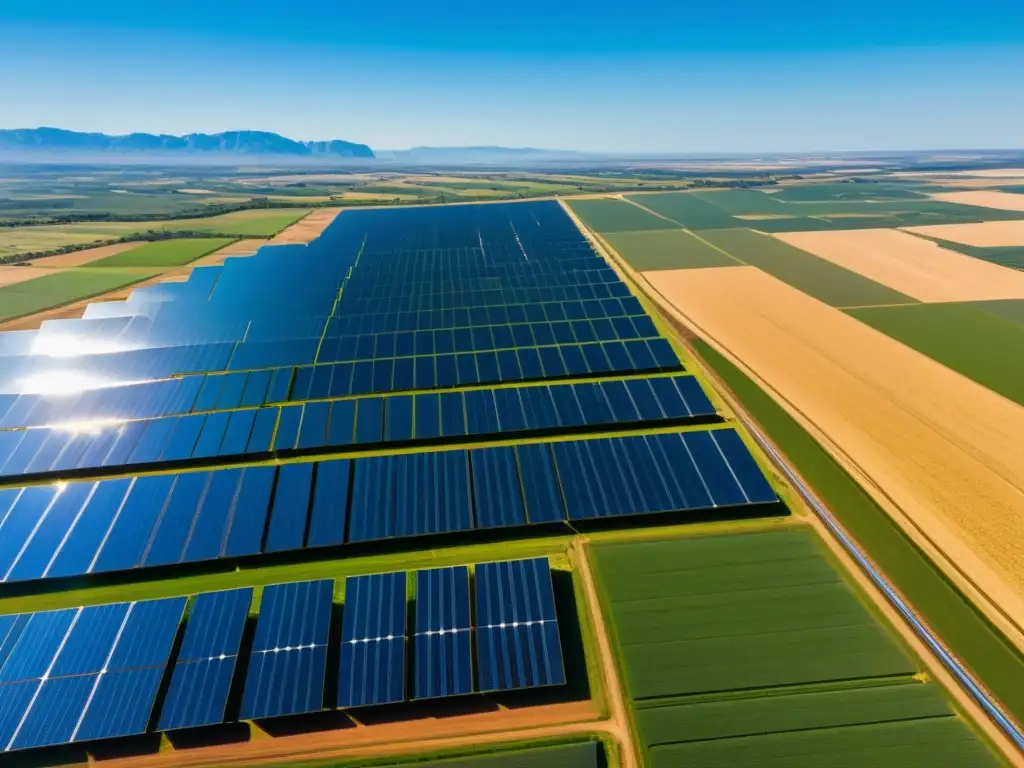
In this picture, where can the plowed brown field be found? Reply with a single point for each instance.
(306, 229)
(911, 265)
(988, 234)
(944, 450)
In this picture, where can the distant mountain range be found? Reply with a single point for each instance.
(34, 140)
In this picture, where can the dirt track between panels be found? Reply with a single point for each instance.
(911, 265)
(942, 449)
(306, 229)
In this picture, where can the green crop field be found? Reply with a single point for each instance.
(258, 222)
(928, 743)
(847, 191)
(964, 630)
(687, 209)
(65, 287)
(816, 277)
(165, 253)
(753, 649)
(607, 215)
(48, 237)
(704, 615)
(979, 344)
(1007, 309)
(667, 249)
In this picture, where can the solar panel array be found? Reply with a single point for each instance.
(83, 674)
(204, 420)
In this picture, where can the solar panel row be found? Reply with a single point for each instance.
(82, 674)
(362, 422)
(52, 531)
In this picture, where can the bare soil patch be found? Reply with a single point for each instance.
(984, 198)
(308, 228)
(943, 449)
(987, 234)
(81, 258)
(911, 265)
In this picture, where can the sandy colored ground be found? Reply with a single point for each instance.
(988, 234)
(943, 449)
(911, 265)
(983, 198)
(308, 228)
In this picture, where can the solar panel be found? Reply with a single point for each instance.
(289, 651)
(517, 640)
(85, 673)
(205, 667)
(442, 664)
(373, 641)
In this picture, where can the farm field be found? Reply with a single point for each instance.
(51, 288)
(65, 287)
(916, 267)
(931, 440)
(987, 234)
(962, 627)
(964, 337)
(667, 249)
(1005, 256)
(586, 754)
(998, 199)
(831, 283)
(823, 683)
(606, 215)
(250, 223)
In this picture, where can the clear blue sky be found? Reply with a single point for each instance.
(685, 75)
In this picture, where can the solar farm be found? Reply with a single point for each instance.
(436, 485)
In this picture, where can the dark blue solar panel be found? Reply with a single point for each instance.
(749, 476)
(182, 441)
(172, 529)
(370, 420)
(211, 436)
(428, 416)
(244, 535)
(288, 660)
(340, 431)
(288, 428)
(442, 665)
(201, 679)
(517, 637)
(82, 542)
(398, 418)
(431, 493)
(497, 493)
(540, 484)
(37, 645)
(205, 540)
(313, 430)
(330, 503)
(453, 415)
(45, 539)
(236, 436)
(262, 431)
(287, 528)
(373, 641)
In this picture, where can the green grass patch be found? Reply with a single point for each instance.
(688, 210)
(583, 754)
(814, 276)
(667, 249)
(257, 222)
(714, 614)
(72, 285)
(934, 742)
(790, 711)
(606, 215)
(166, 253)
(847, 191)
(964, 630)
(979, 344)
(1007, 309)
